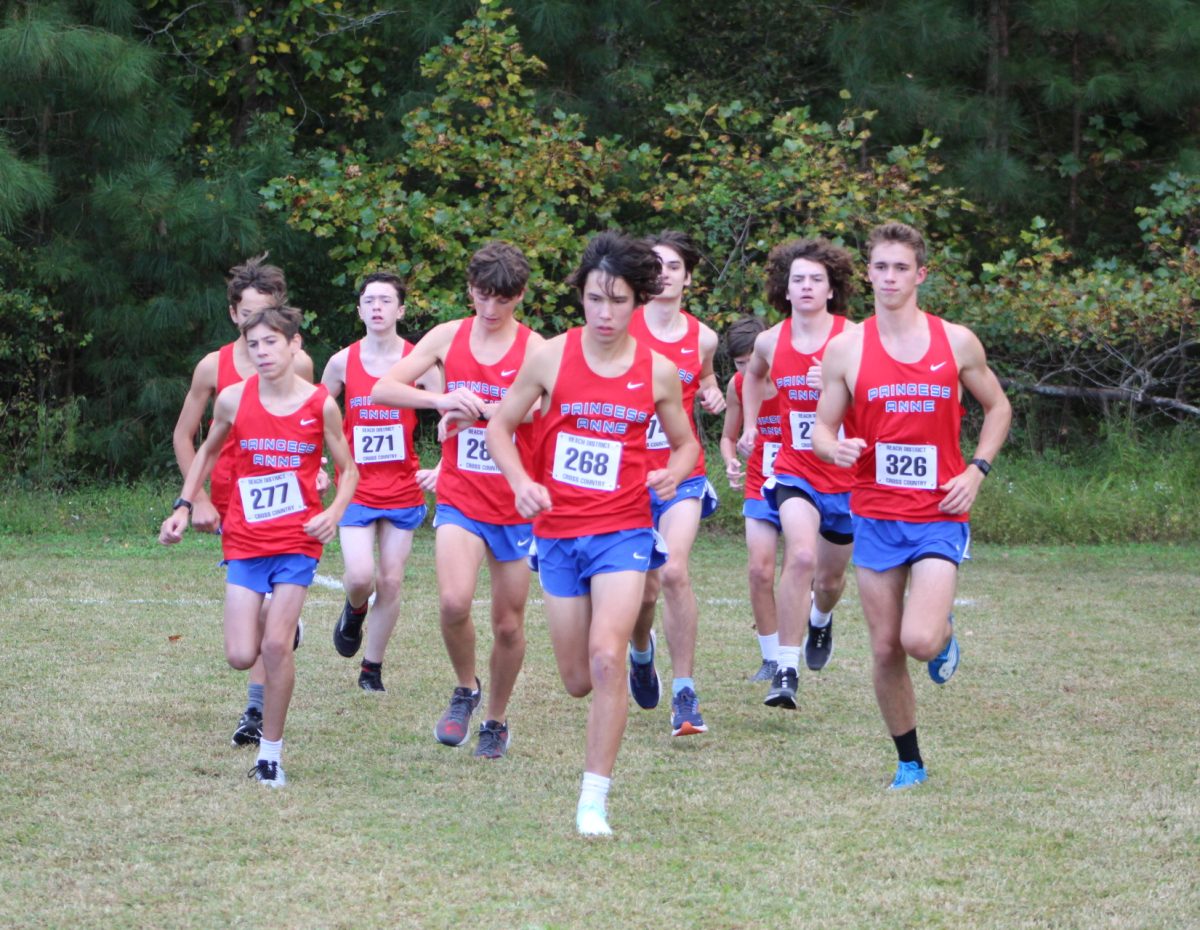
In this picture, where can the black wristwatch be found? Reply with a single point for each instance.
(180, 502)
(982, 464)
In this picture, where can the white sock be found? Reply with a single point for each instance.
(769, 646)
(594, 791)
(818, 619)
(789, 657)
(270, 750)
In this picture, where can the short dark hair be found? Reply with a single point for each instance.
(283, 319)
(620, 256)
(739, 338)
(384, 277)
(253, 274)
(901, 233)
(837, 263)
(680, 243)
(498, 268)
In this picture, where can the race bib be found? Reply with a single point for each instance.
(655, 437)
(902, 466)
(770, 453)
(473, 452)
(802, 428)
(379, 444)
(587, 462)
(265, 497)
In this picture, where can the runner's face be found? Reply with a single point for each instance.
(493, 309)
(808, 287)
(270, 350)
(251, 301)
(379, 307)
(607, 305)
(674, 274)
(894, 274)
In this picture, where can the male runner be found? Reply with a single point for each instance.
(762, 519)
(252, 286)
(273, 528)
(664, 326)
(599, 389)
(475, 517)
(389, 502)
(902, 373)
(810, 280)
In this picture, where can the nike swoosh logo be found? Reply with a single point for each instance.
(633, 385)
(937, 366)
(686, 351)
(308, 422)
(639, 557)
(505, 374)
(522, 542)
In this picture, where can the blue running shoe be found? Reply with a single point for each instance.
(685, 714)
(908, 775)
(943, 665)
(643, 679)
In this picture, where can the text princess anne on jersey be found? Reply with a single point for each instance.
(918, 389)
(615, 417)
(482, 388)
(288, 451)
(382, 413)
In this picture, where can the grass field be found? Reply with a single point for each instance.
(1063, 787)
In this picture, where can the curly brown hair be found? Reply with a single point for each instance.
(836, 260)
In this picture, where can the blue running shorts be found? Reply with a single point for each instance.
(263, 573)
(507, 542)
(403, 518)
(699, 487)
(885, 544)
(760, 509)
(833, 509)
(565, 566)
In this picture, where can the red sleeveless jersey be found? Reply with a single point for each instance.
(469, 481)
(594, 456)
(685, 354)
(760, 465)
(275, 465)
(910, 414)
(381, 440)
(220, 481)
(798, 410)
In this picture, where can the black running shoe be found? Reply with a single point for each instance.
(818, 645)
(347, 632)
(766, 671)
(269, 773)
(371, 679)
(493, 740)
(453, 728)
(249, 728)
(783, 689)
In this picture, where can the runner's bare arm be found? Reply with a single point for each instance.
(832, 405)
(324, 525)
(685, 450)
(711, 397)
(755, 387)
(730, 431)
(534, 380)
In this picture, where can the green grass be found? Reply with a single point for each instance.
(1062, 788)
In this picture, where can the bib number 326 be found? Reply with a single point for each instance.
(904, 466)
(265, 497)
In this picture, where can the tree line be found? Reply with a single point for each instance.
(1049, 150)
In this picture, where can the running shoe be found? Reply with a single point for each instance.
(493, 740)
(591, 820)
(347, 632)
(453, 728)
(908, 774)
(269, 773)
(685, 714)
(783, 689)
(818, 645)
(371, 679)
(644, 684)
(766, 671)
(249, 728)
(943, 665)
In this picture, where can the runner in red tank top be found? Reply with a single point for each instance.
(598, 389)
(902, 373)
(475, 519)
(762, 519)
(691, 345)
(811, 280)
(389, 502)
(252, 286)
(275, 528)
